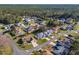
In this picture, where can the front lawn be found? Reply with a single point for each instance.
(41, 41)
(76, 27)
(26, 46)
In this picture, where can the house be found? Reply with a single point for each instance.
(43, 22)
(35, 18)
(70, 27)
(62, 47)
(60, 50)
(69, 40)
(59, 43)
(44, 34)
(47, 52)
(64, 27)
(32, 28)
(18, 31)
(56, 29)
(21, 25)
(62, 19)
(48, 32)
(27, 38)
(67, 22)
(39, 20)
(77, 31)
(39, 35)
(34, 42)
(29, 21)
(29, 29)
(8, 27)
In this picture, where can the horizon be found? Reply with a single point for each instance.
(40, 5)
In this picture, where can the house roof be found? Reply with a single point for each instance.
(27, 38)
(44, 34)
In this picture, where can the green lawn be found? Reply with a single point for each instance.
(2, 30)
(41, 41)
(74, 34)
(26, 46)
(76, 27)
(36, 53)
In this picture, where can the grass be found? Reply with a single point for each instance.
(2, 30)
(76, 27)
(38, 31)
(41, 41)
(36, 53)
(74, 34)
(26, 46)
(13, 40)
(5, 50)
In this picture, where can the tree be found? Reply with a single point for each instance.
(74, 50)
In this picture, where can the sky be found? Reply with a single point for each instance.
(39, 1)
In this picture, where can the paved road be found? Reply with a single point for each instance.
(38, 47)
(17, 51)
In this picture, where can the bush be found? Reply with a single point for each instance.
(20, 41)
